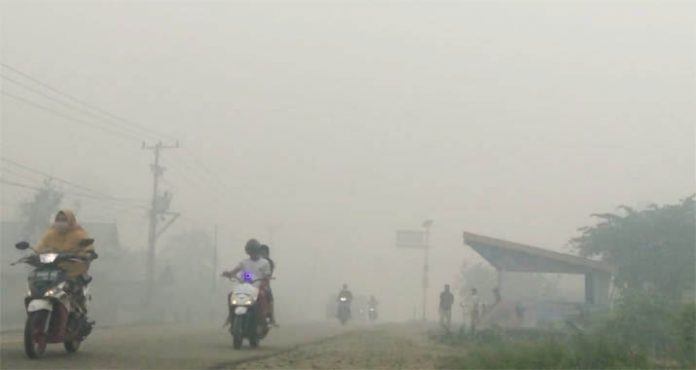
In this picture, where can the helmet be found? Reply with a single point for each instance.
(252, 247)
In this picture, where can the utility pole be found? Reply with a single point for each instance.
(215, 256)
(158, 210)
(426, 225)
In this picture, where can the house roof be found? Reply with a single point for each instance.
(516, 257)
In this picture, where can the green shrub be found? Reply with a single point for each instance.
(685, 332)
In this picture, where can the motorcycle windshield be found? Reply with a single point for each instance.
(245, 289)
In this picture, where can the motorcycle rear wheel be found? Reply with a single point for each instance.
(34, 336)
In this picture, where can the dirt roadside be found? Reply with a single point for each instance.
(380, 347)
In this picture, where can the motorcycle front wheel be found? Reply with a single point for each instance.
(254, 336)
(238, 332)
(71, 346)
(34, 335)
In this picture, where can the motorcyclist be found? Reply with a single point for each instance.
(345, 293)
(64, 236)
(372, 305)
(266, 254)
(373, 302)
(255, 270)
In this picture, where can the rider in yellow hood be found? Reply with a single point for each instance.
(64, 236)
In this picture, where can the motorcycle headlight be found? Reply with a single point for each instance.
(55, 290)
(48, 257)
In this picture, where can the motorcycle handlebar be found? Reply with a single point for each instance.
(235, 277)
(34, 258)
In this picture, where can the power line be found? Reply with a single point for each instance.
(131, 130)
(82, 103)
(95, 194)
(32, 187)
(70, 118)
(202, 165)
(19, 185)
(6, 169)
(77, 196)
(71, 106)
(87, 105)
(187, 172)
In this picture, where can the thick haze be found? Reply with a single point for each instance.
(334, 124)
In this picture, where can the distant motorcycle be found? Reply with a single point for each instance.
(245, 314)
(372, 313)
(51, 315)
(343, 313)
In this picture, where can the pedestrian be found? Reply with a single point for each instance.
(446, 301)
(474, 304)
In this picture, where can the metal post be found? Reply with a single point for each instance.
(425, 273)
(215, 256)
(426, 225)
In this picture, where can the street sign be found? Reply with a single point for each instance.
(410, 239)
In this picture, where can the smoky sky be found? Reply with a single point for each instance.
(325, 126)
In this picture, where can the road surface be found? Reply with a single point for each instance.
(160, 347)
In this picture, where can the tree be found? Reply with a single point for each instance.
(653, 249)
(37, 212)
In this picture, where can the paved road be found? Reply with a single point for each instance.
(159, 347)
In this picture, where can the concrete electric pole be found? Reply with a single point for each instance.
(159, 210)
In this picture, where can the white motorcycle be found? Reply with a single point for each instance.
(245, 317)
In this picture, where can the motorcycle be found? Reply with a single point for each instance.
(343, 310)
(372, 313)
(52, 317)
(246, 316)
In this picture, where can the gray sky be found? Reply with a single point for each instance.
(340, 122)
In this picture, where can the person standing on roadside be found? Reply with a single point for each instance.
(446, 301)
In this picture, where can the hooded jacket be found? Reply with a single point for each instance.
(67, 241)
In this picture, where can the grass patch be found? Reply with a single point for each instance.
(531, 349)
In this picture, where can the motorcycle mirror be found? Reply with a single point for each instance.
(22, 246)
(86, 242)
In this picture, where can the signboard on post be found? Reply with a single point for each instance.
(410, 239)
